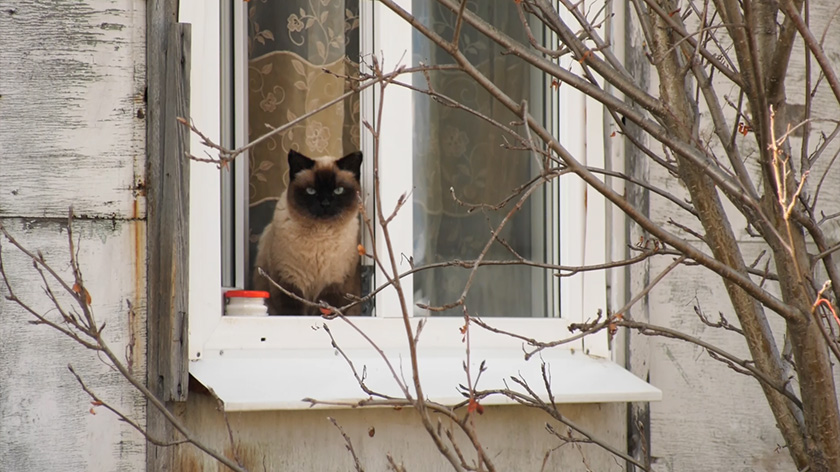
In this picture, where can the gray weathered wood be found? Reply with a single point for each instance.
(168, 226)
(168, 46)
(71, 109)
(284, 440)
(637, 347)
(46, 424)
(72, 132)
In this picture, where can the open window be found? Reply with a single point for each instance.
(280, 60)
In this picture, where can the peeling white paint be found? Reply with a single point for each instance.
(71, 95)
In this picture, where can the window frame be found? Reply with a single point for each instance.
(211, 334)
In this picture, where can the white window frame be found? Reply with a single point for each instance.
(223, 349)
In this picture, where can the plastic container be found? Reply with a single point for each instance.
(246, 303)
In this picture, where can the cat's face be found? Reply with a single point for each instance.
(324, 190)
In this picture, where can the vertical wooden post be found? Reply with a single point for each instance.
(167, 186)
(637, 346)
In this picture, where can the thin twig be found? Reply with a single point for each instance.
(227, 155)
(97, 401)
(360, 378)
(348, 444)
(533, 400)
(459, 21)
(87, 326)
(649, 329)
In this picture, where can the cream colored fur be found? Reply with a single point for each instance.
(324, 253)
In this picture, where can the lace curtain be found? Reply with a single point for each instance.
(290, 43)
(456, 150)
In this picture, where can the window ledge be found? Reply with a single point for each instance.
(278, 379)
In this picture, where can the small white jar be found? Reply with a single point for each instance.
(246, 303)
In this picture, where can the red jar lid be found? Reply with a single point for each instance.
(246, 294)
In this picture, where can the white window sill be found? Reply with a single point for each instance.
(264, 376)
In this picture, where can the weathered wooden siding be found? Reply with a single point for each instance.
(45, 423)
(72, 132)
(636, 349)
(167, 193)
(72, 86)
(712, 418)
(307, 441)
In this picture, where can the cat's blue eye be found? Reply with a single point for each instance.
(338, 190)
(310, 191)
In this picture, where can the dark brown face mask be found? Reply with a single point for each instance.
(324, 191)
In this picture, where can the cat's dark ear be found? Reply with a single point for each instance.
(298, 162)
(351, 162)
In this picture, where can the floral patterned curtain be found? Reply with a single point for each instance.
(459, 151)
(290, 43)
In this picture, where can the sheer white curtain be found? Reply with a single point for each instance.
(456, 150)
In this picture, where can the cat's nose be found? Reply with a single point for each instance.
(325, 203)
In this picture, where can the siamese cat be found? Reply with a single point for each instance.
(310, 247)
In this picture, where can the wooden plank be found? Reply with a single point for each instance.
(168, 261)
(45, 419)
(637, 346)
(515, 436)
(73, 117)
(168, 46)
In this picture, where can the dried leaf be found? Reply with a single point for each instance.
(371, 431)
(91, 411)
(474, 406)
(78, 290)
(361, 250)
(325, 311)
(586, 56)
(96, 403)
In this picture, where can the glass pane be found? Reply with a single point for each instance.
(456, 150)
(290, 43)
